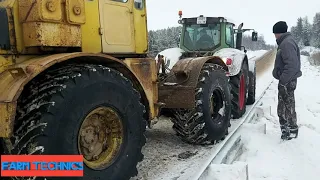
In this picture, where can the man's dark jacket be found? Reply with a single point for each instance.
(287, 65)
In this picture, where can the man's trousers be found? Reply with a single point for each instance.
(286, 105)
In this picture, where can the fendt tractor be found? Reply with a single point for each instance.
(212, 38)
(75, 78)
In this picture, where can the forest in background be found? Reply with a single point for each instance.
(305, 33)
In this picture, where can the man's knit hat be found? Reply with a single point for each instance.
(280, 27)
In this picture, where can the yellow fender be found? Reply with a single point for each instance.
(15, 77)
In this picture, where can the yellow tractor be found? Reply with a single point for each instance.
(75, 78)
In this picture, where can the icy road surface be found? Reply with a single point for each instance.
(167, 157)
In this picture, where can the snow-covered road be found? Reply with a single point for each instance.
(270, 158)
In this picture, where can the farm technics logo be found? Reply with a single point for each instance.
(42, 165)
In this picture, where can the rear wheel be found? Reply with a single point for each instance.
(252, 87)
(209, 121)
(239, 84)
(82, 109)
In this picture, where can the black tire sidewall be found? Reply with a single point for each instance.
(237, 112)
(62, 131)
(245, 68)
(252, 87)
(218, 80)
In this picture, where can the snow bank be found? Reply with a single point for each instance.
(236, 171)
(310, 49)
(268, 157)
(255, 54)
(313, 54)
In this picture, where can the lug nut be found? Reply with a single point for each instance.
(77, 10)
(50, 6)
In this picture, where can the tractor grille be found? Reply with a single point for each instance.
(4, 30)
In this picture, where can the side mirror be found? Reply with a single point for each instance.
(240, 26)
(244, 49)
(254, 36)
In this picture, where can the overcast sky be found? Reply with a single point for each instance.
(260, 15)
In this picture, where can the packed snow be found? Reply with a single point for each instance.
(270, 158)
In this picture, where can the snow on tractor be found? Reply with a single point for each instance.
(226, 82)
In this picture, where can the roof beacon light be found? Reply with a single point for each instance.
(180, 13)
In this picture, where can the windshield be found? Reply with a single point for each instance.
(201, 37)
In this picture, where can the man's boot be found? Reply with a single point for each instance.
(289, 132)
(294, 129)
(285, 132)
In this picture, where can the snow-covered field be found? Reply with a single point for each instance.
(267, 156)
(167, 157)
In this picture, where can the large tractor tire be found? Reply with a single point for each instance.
(239, 91)
(209, 121)
(82, 109)
(252, 87)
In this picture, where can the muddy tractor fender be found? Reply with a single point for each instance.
(237, 57)
(178, 91)
(14, 78)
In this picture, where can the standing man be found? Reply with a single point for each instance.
(287, 69)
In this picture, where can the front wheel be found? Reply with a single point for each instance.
(82, 109)
(209, 121)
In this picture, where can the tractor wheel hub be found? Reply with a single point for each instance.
(100, 137)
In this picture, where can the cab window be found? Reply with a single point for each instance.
(229, 35)
(138, 4)
(201, 37)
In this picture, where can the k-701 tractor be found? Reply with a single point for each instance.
(75, 79)
(211, 38)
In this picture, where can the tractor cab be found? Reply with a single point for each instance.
(203, 34)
